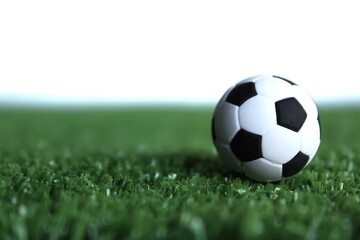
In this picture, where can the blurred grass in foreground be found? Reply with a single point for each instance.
(152, 173)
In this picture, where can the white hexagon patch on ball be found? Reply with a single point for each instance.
(266, 127)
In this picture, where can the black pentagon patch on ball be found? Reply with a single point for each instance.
(246, 146)
(295, 165)
(213, 129)
(290, 114)
(286, 80)
(240, 93)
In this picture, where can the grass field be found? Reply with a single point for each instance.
(153, 174)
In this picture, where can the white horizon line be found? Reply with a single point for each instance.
(83, 102)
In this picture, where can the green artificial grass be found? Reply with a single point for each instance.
(152, 173)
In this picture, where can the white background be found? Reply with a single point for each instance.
(171, 51)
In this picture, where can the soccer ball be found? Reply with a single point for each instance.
(267, 128)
